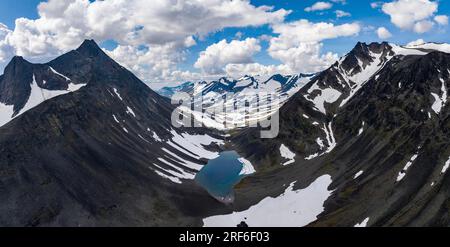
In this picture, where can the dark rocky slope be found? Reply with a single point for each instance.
(83, 159)
(389, 120)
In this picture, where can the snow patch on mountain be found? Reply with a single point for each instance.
(115, 118)
(173, 178)
(312, 156)
(293, 208)
(37, 96)
(443, 47)
(330, 137)
(319, 142)
(130, 111)
(406, 51)
(156, 137)
(437, 105)
(57, 73)
(186, 163)
(358, 174)
(446, 166)
(117, 93)
(247, 167)
(359, 79)
(287, 154)
(361, 130)
(178, 172)
(139, 135)
(363, 223)
(193, 145)
(439, 101)
(327, 95)
(74, 87)
(402, 173)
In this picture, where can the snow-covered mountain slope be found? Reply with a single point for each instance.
(334, 87)
(376, 122)
(427, 47)
(329, 90)
(317, 103)
(239, 97)
(293, 208)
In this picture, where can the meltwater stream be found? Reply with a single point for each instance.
(220, 175)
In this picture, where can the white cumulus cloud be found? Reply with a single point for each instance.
(412, 15)
(423, 26)
(441, 20)
(6, 51)
(218, 55)
(299, 45)
(319, 6)
(239, 70)
(340, 1)
(154, 62)
(341, 13)
(375, 5)
(383, 33)
(166, 25)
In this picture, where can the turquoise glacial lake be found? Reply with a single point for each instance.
(220, 175)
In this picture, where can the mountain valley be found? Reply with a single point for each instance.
(84, 142)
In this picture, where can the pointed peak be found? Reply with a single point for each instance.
(89, 47)
(16, 61)
(89, 43)
(362, 46)
(17, 58)
(359, 44)
(364, 51)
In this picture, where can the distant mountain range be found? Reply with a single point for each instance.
(84, 142)
(229, 85)
(212, 94)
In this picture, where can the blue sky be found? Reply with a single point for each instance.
(179, 59)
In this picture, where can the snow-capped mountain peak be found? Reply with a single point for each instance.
(214, 93)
